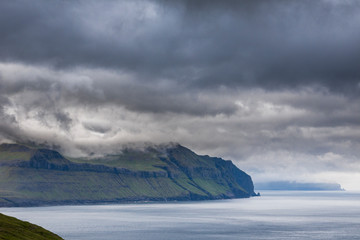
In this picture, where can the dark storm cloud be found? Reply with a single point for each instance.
(52, 89)
(267, 44)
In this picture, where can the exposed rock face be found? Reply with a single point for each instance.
(48, 159)
(30, 176)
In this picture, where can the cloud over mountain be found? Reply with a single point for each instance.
(270, 83)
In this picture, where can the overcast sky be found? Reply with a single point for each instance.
(272, 85)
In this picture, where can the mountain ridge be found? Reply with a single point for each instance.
(38, 176)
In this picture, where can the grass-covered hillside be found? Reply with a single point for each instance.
(32, 176)
(15, 229)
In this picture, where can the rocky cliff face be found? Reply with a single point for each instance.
(30, 176)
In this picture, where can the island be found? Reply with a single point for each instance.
(32, 176)
(298, 186)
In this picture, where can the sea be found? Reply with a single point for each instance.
(274, 215)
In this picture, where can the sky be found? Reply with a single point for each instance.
(272, 85)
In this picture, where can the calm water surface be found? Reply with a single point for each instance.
(274, 215)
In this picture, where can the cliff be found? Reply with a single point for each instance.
(33, 176)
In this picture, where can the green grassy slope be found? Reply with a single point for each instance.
(30, 176)
(40, 186)
(14, 229)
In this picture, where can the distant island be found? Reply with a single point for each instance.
(299, 186)
(31, 176)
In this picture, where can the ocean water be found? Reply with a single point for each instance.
(274, 215)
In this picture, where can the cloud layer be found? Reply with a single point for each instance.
(273, 85)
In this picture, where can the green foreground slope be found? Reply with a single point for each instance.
(15, 229)
(31, 176)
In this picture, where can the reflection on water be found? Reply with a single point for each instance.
(274, 215)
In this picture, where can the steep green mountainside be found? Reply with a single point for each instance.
(34, 176)
(15, 229)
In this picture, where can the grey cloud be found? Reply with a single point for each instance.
(282, 128)
(262, 121)
(97, 127)
(267, 44)
(64, 120)
(8, 124)
(50, 89)
(320, 107)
